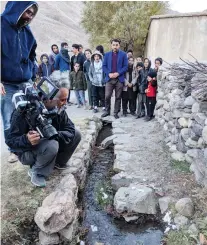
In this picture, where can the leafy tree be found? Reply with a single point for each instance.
(128, 21)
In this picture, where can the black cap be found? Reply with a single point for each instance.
(152, 74)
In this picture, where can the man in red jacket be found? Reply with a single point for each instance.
(151, 92)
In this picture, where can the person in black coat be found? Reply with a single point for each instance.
(40, 153)
(77, 57)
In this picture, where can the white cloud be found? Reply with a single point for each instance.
(185, 6)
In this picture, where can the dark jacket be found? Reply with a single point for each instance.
(61, 64)
(78, 80)
(122, 65)
(86, 66)
(45, 70)
(142, 82)
(17, 44)
(17, 139)
(80, 60)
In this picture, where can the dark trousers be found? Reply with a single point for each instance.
(151, 102)
(129, 97)
(68, 99)
(98, 94)
(110, 86)
(47, 153)
(141, 104)
(90, 95)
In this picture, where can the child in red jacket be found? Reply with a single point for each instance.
(151, 92)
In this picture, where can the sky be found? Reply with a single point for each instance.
(185, 6)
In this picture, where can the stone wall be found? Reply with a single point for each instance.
(183, 115)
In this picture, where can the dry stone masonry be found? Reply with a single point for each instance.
(182, 111)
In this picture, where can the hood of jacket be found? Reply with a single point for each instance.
(96, 53)
(41, 57)
(14, 10)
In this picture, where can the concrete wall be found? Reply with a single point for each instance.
(171, 38)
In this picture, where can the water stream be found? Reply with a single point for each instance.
(102, 227)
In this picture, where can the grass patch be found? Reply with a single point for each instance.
(180, 166)
(180, 237)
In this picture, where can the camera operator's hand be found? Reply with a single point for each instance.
(2, 89)
(33, 137)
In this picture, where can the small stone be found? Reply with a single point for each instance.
(173, 148)
(189, 101)
(130, 218)
(166, 106)
(164, 204)
(48, 239)
(118, 131)
(193, 230)
(176, 113)
(195, 107)
(191, 143)
(108, 141)
(99, 243)
(185, 133)
(204, 134)
(201, 143)
(160, 103)
(180, 220)
(178, 156)
(200, 118)
(185, 207)
(183, 122)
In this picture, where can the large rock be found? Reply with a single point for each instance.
(166, 106)
(122, 160)
(59, 208)
(181, 145)
(176, 113)
(178, 156)
(48, 239)
(135, 199)
(204, 134)
(189, 101)
(185, 207)
(159, 104)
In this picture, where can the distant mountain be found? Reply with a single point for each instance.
(57, 22)
(170, 11)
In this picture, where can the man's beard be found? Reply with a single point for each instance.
(23, 22)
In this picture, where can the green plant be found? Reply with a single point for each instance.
(104, 193)
(181, 166)
(180, 237)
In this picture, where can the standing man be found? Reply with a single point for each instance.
(55, 52)
(77, 57)
(17, 55)
(115, 66)
(62, 63)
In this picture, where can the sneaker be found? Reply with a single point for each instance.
(30, 172)
(37, 180)
(124, 115)
(12, 158)
(78, 106)
(95, 110)
(133, 113)
(85, 107)
(61, 167)
(148, 119)
(116, 116)
(91, 108)
(105, 114)
(103, 109)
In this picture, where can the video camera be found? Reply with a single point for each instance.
(29, 102)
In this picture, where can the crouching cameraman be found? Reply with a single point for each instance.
(40, 153)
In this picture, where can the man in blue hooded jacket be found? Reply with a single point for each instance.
(18, 47)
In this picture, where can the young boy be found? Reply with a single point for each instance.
(78, 84)
(158, 63)
(96, 77)
(129, 93)
(45, 68)
(151, 94)
(142, 86)
(86, 66)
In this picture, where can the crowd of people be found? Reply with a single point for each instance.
(134, 81)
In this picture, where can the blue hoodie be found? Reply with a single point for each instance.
(17, 44)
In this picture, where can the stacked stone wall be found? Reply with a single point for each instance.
(182, 112)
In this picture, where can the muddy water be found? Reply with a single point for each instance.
(103, 228)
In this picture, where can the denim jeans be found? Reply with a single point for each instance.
(7, 106)
(80, 96)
